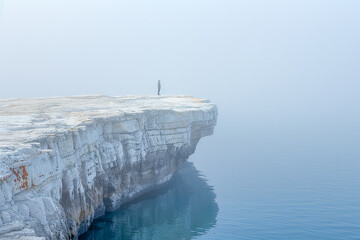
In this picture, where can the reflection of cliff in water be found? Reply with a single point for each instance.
(184, 209)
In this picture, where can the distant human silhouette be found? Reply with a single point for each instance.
(159, 87)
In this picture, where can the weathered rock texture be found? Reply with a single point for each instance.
(65, 161)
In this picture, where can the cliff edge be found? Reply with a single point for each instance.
(66, 160)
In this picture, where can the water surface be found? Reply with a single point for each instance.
(284, 180)
(184, 209)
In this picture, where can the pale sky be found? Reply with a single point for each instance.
(261, 58)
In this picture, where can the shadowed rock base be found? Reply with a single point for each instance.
(183, 209)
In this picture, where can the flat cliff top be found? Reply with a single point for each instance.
(23, 120)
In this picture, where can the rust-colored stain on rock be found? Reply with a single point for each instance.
(21, 177)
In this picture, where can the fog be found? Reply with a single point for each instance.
(255, 57)
(270, 65)
(285, 75)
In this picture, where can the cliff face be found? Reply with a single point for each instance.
(65, 161)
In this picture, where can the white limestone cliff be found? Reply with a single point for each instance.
(66, 160)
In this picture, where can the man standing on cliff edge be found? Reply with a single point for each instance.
(159, 87)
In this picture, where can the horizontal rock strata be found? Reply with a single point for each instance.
(66, 160)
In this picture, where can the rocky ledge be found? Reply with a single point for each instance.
(66, 160)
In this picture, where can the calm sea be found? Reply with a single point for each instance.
(253, 181)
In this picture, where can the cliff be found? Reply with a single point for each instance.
(66, 160)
